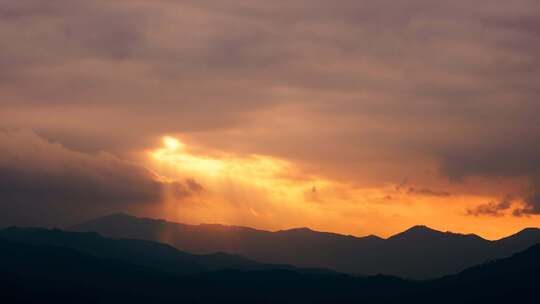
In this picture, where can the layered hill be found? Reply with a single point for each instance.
(144, 253)
(36, 272)
(419, 252)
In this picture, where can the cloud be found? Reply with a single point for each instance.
(530, 206)
(504, 155)
(493, 208)
(43, 183)
(428, 192)
(359, 91)
(187, 188)
(532, 203)
(402, 184)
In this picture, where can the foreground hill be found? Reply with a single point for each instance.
(419, 252)
(140, 252)
(511, 280)
(31, 273)
(39, 273)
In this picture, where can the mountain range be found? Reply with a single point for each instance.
(54, 266)
(149, 254)
(417, 253)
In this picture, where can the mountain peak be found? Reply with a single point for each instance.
(422, 232)
(527, 233)
(299, 229)
(417, 232)
(421, 229)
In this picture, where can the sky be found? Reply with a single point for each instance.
(354, 116)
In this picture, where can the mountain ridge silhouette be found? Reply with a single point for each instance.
(48, 272)
(151, 254)
(418, 252)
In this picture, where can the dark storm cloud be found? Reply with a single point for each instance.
(387, 86)
(511, 151)
(532, 200)
(43, 183)
(493, 208)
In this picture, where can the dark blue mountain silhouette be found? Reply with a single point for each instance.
(37, 271)
(145, 253)
(509, 280)
(418, 253)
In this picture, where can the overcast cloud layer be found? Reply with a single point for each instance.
(43, 183)
(368, 92)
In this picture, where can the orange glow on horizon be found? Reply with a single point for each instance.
(270, 193)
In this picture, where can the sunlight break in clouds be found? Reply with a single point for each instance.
(253, 190)
(274, 177)
(270, 193)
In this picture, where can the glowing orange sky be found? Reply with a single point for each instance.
(356, 117)
(269, 193)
